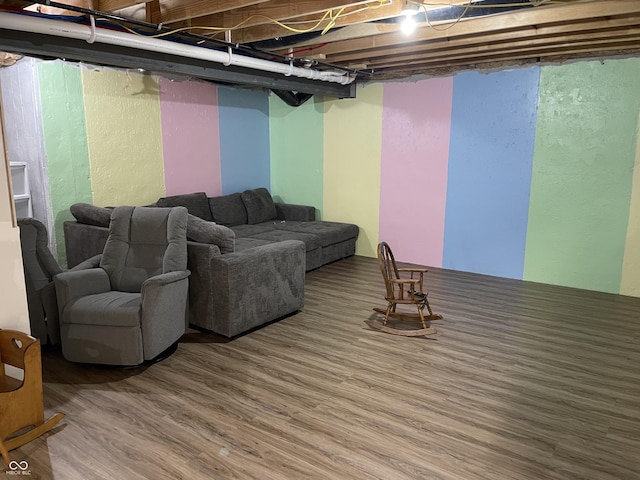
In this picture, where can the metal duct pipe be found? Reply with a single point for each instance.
(28, 23)
(293, 99)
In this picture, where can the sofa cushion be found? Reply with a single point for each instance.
(311, 241)
(259, 205)
(200, 230)
(329, 233)
(91, 214)
(243, 231)
(197, 204)
(228, 210)
(249, 242)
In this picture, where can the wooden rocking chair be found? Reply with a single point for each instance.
(21, 404)
(402, 291)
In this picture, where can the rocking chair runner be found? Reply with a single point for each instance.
(403, 291)
(21, 402)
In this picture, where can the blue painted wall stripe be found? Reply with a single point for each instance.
(490, 163)
(244, 139)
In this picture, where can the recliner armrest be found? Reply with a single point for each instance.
(164, 279)
(74, 284)
(163, 302)
(298, 213)
(92, 262)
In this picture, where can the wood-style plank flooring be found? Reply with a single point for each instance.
(523, 381)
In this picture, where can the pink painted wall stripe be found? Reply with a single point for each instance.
(190, 137)
(416, 124)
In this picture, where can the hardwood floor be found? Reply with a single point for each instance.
(523, 381)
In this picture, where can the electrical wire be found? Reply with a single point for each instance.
(287, 26)
(470, 5)
(507, 5)
(451, 25)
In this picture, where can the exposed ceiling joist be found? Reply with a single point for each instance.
(113, 5)
(177, 10)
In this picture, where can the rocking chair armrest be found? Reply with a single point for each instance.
(421, 271)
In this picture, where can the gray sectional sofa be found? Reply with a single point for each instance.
(247, 254)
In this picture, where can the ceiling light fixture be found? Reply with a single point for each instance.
(409, 10)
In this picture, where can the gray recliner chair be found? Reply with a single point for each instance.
(39, 269)
(132, 306)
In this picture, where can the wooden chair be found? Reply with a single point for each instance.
(21, 403)
(404, 287)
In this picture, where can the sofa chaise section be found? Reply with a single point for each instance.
(239, 291)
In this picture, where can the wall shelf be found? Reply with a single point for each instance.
(21, 190)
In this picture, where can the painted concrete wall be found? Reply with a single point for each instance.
(122, 112)
(296, 157)
(525, 174)
(352, 150)
(244, 139)
(582, 174)
(416, 121)
(190, 137)
(65, 143)
(630, 283)
(492, 134)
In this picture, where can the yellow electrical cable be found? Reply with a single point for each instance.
(469, 5)
(334, 18)
(329, 13)
(501, 5)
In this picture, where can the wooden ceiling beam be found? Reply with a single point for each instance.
(508, 52)
(533, 17)
(529, 34)
(450, 68)
(178, 10)
(281, 10)
(356, 15)
(60, 11)
(112, 5)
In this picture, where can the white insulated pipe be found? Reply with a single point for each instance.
(59, 28)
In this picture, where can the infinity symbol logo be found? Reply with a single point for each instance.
(18, 465)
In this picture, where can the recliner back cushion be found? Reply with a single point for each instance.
(228, 210)
(259, 205)
(144, 242)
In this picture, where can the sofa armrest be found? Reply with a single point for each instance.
(242, 290)
(298, 213)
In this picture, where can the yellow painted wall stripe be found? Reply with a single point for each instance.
(352, 152)
(630, 284)
(124, 136)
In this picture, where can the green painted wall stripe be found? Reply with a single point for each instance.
(124, 135)
(581, 185)
(296, 152)
(65, 142)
